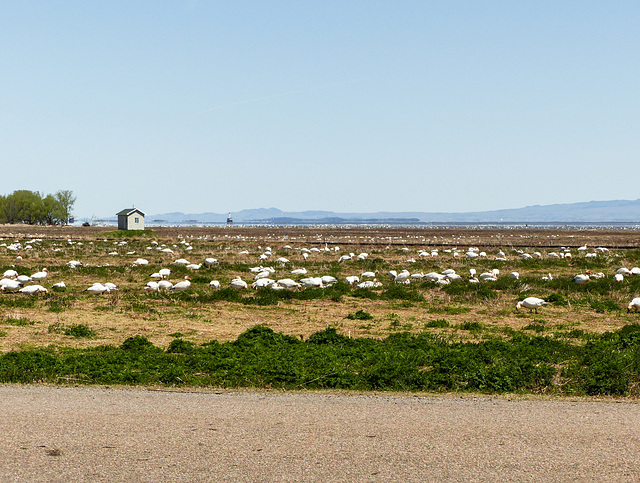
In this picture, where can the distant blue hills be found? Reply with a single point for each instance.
(620, 211)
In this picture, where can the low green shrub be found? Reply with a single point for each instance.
(360, 315)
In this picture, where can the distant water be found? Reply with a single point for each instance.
(470, 225)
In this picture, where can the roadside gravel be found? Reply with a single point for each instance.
(119, 434)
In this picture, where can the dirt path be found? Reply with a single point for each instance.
(71, 434)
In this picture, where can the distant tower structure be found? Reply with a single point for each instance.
(229, 219)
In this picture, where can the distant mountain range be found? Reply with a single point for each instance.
(620, 211)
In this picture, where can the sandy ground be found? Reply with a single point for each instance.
(106, 434)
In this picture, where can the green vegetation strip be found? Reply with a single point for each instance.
(608, 364)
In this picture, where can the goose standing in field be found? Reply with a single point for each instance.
(262, 274)
(9, 285)
(352, 279)
(402, 277)
(310, 282)
(547, 277)
(210, 261)
(153, 286)
(514, 275)
(182, 286)
(12, 274)
(165, 285)
(33, 289)
(299, 271)
(97, 289)
(488, 276)
(618, 277)
(214, 284)
(288, 283)
(634, 304)
(531, 303)
(581, 279)
(238, 283)
(39, 276)
(164, 273)
(262, 283)
(328, 279)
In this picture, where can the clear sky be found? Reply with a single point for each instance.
(346, 105)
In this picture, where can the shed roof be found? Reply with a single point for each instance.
(128, 211)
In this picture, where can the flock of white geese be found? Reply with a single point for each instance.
(262, 277)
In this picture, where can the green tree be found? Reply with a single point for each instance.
(66, 200)
(25, 207)
(53, 213)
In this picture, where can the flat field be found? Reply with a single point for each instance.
(459, 310)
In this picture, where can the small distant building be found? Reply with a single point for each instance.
(229, 219)
(131, 219)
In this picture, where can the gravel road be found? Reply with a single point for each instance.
(106, 434)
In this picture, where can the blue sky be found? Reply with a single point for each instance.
(349, 106)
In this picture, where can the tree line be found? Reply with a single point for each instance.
(33, 208)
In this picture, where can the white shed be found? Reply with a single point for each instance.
(131, 219)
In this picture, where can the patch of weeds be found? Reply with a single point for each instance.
(471, 326)
(394, 325)
(18, 302)
(104, 308)
(436, 324)
(137, 343)
(193, 315)
(181, 346)
(3, 333)
(360, 315)
(176, 335)
(535, 327)
(454, 309)
(142, 307)
(74, 330)
(557, 299)
(602, 306)
(17, 321)
(508, 331)
(79, 331)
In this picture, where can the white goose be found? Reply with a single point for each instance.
(634, 304)
(531, 303)
(238, 283)
(9, 285)
(39, 276)
(97, 289)
(33, 289)
(402, 277)
(10, 274)
(288, 283)
(310, 282)
(581, 279)
(182, 286)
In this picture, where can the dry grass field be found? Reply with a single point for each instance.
(459, 310)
